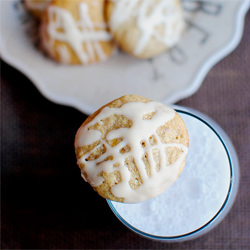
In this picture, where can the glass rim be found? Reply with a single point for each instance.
(232, 190)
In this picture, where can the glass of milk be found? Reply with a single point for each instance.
(201, 196)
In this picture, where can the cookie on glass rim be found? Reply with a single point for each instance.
(131, 149)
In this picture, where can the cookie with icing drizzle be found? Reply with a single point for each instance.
(36, 7)
(145, 28)
(131, 149)
(75, 32)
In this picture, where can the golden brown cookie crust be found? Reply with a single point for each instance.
(36, 7)
(96, 14)
(127, 34)
(173, 131)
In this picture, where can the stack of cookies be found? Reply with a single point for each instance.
(88, 31)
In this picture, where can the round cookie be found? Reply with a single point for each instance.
(145, 28)
(132, 149)
(75, 32)
(36, 7)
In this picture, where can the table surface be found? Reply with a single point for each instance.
(46, 205)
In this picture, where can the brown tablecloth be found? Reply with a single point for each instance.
(46, 205)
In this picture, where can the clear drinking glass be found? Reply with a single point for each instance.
(201, 196)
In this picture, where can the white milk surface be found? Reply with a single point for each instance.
(196, 196)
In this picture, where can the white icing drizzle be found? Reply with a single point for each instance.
(141, 130)
(64, 54)
(164, 12)
(76, 33)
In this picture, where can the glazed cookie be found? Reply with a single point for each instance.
(131, 149)
(75, 32)
(145, 28)
(36, 7)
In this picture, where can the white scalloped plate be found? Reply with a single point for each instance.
(214, 29)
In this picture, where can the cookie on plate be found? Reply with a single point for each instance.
(75, 32)
(145, 28)
(132, 149)
(36, 7)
